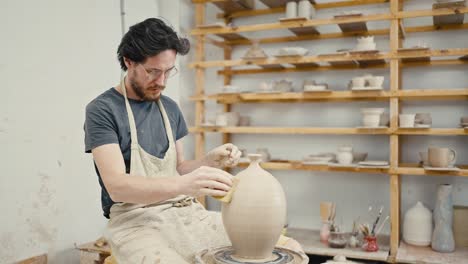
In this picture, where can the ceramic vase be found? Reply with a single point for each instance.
(256, 214)
(442, 237)
(417, 226)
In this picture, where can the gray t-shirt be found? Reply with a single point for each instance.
(107, 122)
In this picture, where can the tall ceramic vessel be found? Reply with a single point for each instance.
(256, 214)
(442, 237)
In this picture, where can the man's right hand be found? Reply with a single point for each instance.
(205, 181)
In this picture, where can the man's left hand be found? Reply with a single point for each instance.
(226, 155)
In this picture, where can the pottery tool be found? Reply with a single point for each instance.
(382, 225)
(228, 197)
(325, 210)
(377, 220)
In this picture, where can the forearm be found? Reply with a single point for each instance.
(136, 189)
(188, 166)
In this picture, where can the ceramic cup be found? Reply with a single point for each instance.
(423, 119)
(304, 9)
(441, 157)
(376, 81)
(358, 81)
(291, 9)
(407, 120)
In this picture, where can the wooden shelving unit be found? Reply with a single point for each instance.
(393, 59)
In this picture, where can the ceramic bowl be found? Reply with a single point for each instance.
(358, 81)
(359, 156)
(227, 119)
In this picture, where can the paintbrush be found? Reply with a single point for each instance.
(376, 220)
(382, 225)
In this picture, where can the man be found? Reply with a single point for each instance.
(134, 133)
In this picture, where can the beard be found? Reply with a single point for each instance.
(151, 93)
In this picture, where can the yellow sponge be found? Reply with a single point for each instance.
(227, 198)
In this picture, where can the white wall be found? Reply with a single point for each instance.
(56, 57)
(353, 193)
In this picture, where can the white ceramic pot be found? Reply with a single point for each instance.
(376, 81)
(345, 155)
(371, 116)
(407, 120)
(417, 226)
(358, 81)
(366, 46)
(227, 119)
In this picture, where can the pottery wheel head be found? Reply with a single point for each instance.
(279, 256)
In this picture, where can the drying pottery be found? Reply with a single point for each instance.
(441, 157)
(292, 51)
(358, 81)
(256, 214)
(283, 85)
(228, 119)
(442, 237)
(371, 116)
(384, 120)
(255, 52)
(291, 9)
(376, 81)
(345, 155)
(365, 43)
(417, 226)
(359, 156)
(305, 9)
(423, 119)
(407, 120)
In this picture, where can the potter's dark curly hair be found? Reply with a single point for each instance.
(149, 38)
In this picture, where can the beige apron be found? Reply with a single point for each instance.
(172, 231)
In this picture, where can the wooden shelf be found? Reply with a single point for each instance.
(310, 241)
(420, 255)
(432, 131)
(297, 165)
(404, 169)
(231, 6)
(292, 130)
(330, 58)
(416, 169)
(339, 96)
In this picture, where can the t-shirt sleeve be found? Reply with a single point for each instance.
(182, 129)
(99, 126)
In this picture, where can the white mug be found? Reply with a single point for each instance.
(291, 9)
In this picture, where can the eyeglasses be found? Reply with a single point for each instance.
(154, 74)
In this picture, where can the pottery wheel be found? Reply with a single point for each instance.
(223, 255)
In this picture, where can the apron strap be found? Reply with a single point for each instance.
(131, 119)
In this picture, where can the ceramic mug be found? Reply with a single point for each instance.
(304, 9)
(291, 9)
(371, 116)
(441, 157)
(407, 120)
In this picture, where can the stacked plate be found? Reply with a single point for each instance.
(374, 164)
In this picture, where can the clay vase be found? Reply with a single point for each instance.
(256, 214)
(417, 226)
(442, 237)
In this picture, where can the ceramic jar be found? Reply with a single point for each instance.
(417, 226)
(370, 244)
(345, 155)
(442, 237)
(256, 214)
